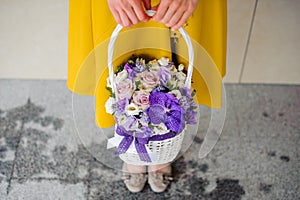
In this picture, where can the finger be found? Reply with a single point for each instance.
(175, 19)
(183, 19)
(131, 15)
(125, 20)
(116, 16)
(147, 4)
(139, 11)
(160, 13)
(168, 15)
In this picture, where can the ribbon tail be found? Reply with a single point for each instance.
(114, 141)
(142, 152)
(124, 145)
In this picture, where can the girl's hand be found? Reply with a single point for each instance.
(174, 13)
(129, 12)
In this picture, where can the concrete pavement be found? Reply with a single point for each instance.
(42, 156)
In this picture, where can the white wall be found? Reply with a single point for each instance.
(33, 40)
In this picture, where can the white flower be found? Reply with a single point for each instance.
(181, 76)
(180, 67)
(122, 120)
(163, 61)
(132, 109)
(176, 93)
(181, 79)
(161, 129)
(109, 105)
(141, 60)
(154, 65)
(121, 76)
(173, 69)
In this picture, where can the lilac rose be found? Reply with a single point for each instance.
(125, 89)
(141, 98)
(164, 75)
(149, 79)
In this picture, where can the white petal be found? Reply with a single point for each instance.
(163, 61)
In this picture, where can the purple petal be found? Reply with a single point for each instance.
(122, 103)
(131, 124)
(146, 132)
(175, 121)
(139, 67)
(158, 98)
(144, 118)
(164, 75)
(130, 71)
(190, 117)
(160, 88)
(128, 67)
(156, 114)
(173, 104)
(186, 92)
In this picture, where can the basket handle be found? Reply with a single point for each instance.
(111, 46)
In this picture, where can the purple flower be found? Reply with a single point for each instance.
(156, 114)
(164, 75)
(139, 67)
(144, 119)
(185, 91)
(188, 104)
(160, 88)
(131, 124)
(190, 116)
(165, 108)
(120, 107)
(133, 69)
(129, 68)
(146, 132)
(170, 64)
(186, 101)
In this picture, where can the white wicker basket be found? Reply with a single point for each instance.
(165, 150)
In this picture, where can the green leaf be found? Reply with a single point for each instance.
(151, 126)
(120, 68)
(111, 94)
(137, 83)
(130, 62)
(194, 107)
(148, 66)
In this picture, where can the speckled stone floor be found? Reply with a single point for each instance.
(45, 155)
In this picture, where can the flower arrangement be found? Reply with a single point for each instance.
(151, 103)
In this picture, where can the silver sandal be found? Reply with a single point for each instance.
(135, 182)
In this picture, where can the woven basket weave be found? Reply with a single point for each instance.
(165, 150)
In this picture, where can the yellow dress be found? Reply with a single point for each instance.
(91, 25)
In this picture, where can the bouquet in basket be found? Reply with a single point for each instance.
(150, 103)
